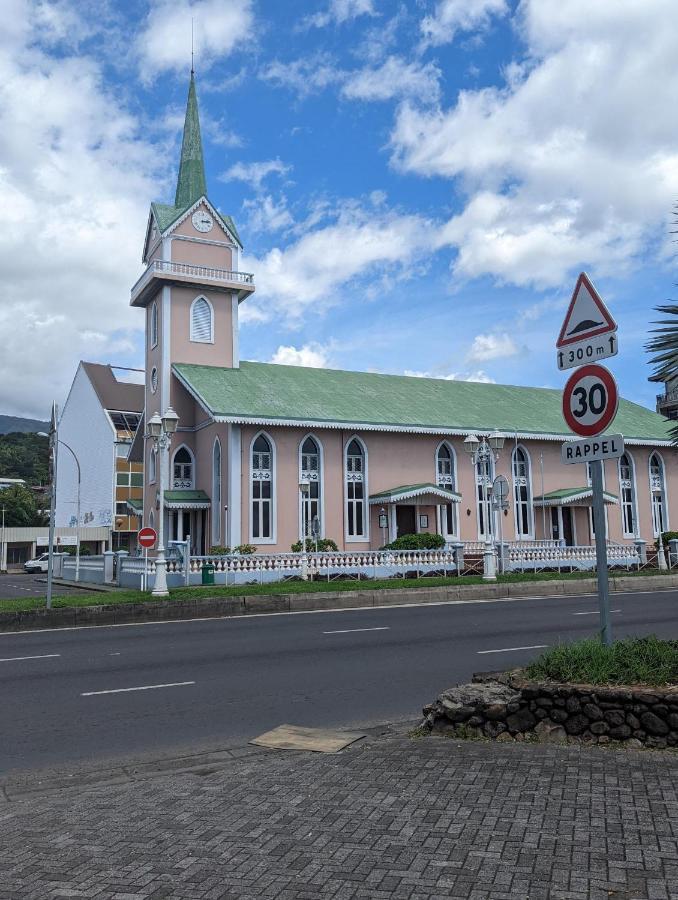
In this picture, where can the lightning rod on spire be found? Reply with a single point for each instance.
(192, 69)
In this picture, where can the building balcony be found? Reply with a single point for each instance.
(667, 403)
(164, 271)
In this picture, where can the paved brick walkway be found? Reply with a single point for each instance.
(389, 819)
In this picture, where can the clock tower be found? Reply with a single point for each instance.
(191, 287)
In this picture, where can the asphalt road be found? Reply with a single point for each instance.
(21, 584)
(83, 696)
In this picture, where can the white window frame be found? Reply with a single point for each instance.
(634, 495)
(477, 484)
(320, 482)
(153, 325)
(197, 340)
(183, 487)
(516, 502)
(441, 513)
(664, 495)
(273, 539)
(217, 493)
(364, 538)
(592, 532)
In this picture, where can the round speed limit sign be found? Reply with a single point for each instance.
(590, 400)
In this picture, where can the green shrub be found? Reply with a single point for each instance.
(219, 551)
(646, 660)
(245, 549)
(325, 545)
(417, 542)
(668, 536)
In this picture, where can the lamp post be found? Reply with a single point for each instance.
(160, 430)
(58, 440)
(484, 451)
(304, 491)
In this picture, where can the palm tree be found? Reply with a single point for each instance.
(664, 348)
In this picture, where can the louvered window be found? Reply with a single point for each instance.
(201, 321)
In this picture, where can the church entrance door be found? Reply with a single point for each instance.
(406, 522)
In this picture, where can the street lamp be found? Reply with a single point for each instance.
(160, 431)
(484, 451)
(77, 504)
(304, 492)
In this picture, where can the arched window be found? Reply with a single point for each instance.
(310, 472)
(262, 489)
(483, 497)
(446, 476)
(589, 482)
(627, 485)
(153, 328)
(522, 493)
(151, 518)
(152, 465)
(658, 495)
(216, 493)
(202, 321)
(182, 469)
(355, 480)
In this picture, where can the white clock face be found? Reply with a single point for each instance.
(202, 221)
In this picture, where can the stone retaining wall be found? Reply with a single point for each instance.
(505, 707)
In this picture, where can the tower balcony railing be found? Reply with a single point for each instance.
(169, 271)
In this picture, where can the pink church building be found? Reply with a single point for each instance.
(378, 455)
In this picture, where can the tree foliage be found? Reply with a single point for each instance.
(21, 509)
(24, 455)
(663, 347)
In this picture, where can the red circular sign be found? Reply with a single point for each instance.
(590, 400)
(147, 537)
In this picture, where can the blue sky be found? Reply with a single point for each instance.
(417, 184)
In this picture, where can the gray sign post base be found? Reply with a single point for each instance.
(601, 551)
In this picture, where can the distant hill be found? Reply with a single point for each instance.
(11, 424)
(24, 455)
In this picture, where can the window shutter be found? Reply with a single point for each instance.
(201, 321)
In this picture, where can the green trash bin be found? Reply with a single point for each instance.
(208, 573)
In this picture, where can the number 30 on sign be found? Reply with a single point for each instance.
(590, 400)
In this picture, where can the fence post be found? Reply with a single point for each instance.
(109, 556)
(121, 554)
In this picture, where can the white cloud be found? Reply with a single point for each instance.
(478, 375)
(318, 268)
(73, 172)
(304, 76)
(574, 161)
(451, 16)
(219, 28)
(340, 11)
(313, 356)
(265, 215)
(492, 346)
(255, 172)
(394, 78)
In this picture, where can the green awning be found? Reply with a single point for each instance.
(187, 500)
(581, 496)
(433, 494)
(136, 506)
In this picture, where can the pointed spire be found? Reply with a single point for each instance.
(191, 181)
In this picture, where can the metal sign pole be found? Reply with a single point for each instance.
(601, 551)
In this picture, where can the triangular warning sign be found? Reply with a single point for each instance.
(587, 316)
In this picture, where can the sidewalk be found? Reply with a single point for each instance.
(391, 818)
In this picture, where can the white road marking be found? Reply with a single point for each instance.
(352, 630)
(593, 612)
(508, 649)
(145, 687)
(19, 658)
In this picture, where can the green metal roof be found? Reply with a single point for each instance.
(191, 183)
(266, 393)
(407, 491)
(186, 499)
(563, 496)
(136, 504)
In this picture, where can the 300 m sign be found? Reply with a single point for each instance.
(590, 400)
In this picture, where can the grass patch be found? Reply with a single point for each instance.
(100, 598)
(646, 660)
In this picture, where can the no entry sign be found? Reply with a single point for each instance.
(147, 537)
(590, 400)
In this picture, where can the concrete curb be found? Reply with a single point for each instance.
(221, 607)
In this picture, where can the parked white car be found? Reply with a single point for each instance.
(39, 564)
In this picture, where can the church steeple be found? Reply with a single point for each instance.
(191, 181)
